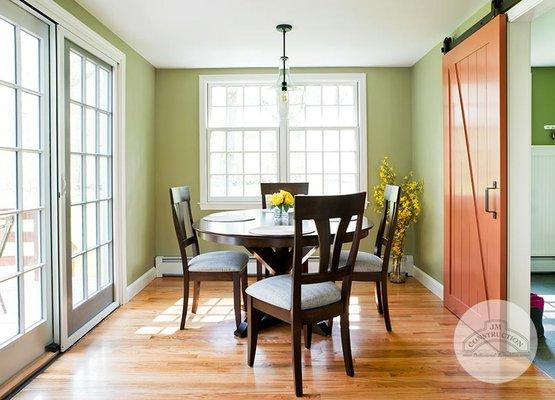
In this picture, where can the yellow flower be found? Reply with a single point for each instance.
(277, 199)
(288, 198)
(409, 204)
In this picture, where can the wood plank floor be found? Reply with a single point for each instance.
(139, 353)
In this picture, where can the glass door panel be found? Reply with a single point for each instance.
(25, 216)
(89, 173)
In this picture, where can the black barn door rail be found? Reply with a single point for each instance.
(497, 7)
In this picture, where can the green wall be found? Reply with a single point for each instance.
(543, 104)
(139, 147)
(404, 122)
(177, 135)
(427, 153)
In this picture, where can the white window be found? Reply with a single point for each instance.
(24, 175)
(90, 173)
(244, 140)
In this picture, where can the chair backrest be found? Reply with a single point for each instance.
(180, 200)
(388, 224)
(332, 216)
(294, 188)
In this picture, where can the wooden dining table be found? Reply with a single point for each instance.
(274, 249)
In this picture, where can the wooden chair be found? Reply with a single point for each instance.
(301, 298)
(373, 267)
(214, 266)
(266, 189)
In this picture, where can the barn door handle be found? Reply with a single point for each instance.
(494, 186)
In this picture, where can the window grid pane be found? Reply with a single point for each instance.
(239, 160)
(327, 159)
(90, 176)
(242, 105)
(324, 105)
(23, 177)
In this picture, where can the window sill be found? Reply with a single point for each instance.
(224, 206)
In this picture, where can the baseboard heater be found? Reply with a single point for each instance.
(171, 266)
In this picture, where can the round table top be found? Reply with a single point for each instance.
(239, 232)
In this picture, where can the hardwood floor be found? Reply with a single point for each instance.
(138, 352)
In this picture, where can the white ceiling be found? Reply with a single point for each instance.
(241, 33)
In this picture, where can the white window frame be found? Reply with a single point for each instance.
(300, 79)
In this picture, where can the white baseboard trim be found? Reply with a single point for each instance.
(142, 282)
(428, 282)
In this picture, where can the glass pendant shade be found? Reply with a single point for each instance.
(283, 86)
(283, 82)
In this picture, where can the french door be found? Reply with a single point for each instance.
(88, 200)
(26, 218)
(474, 76)
(58, 194)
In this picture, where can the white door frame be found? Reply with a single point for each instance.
(76, 31)
(520, 148)
(120, 270)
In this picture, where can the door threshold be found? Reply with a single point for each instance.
(25, 375)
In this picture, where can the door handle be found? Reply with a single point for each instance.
(494, 186)
(63, 187)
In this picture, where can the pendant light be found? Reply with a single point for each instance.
(284, 76)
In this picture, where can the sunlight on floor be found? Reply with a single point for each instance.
(210, 311)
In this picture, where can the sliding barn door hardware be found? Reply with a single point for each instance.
(497, 7)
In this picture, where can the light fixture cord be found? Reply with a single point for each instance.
(284, 83)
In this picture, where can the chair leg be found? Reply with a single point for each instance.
(244, 285)
(237, 298)
(330, 325)
(308, 335)
(385, 306)
(196, 295)
(378, 297)
(253, 316)
(185, 302)
(346, 344)
(258, 270)
(296, 328)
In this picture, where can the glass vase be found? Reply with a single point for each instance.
(397, 275)
(281, 217)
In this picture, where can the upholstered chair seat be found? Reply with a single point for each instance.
(277, 291)
(219, 261)
(365, 262)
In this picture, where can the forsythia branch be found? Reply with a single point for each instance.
(410, 207)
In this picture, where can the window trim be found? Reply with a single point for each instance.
(205, 80)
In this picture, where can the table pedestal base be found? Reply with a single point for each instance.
(266, 322)
(321, 328)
